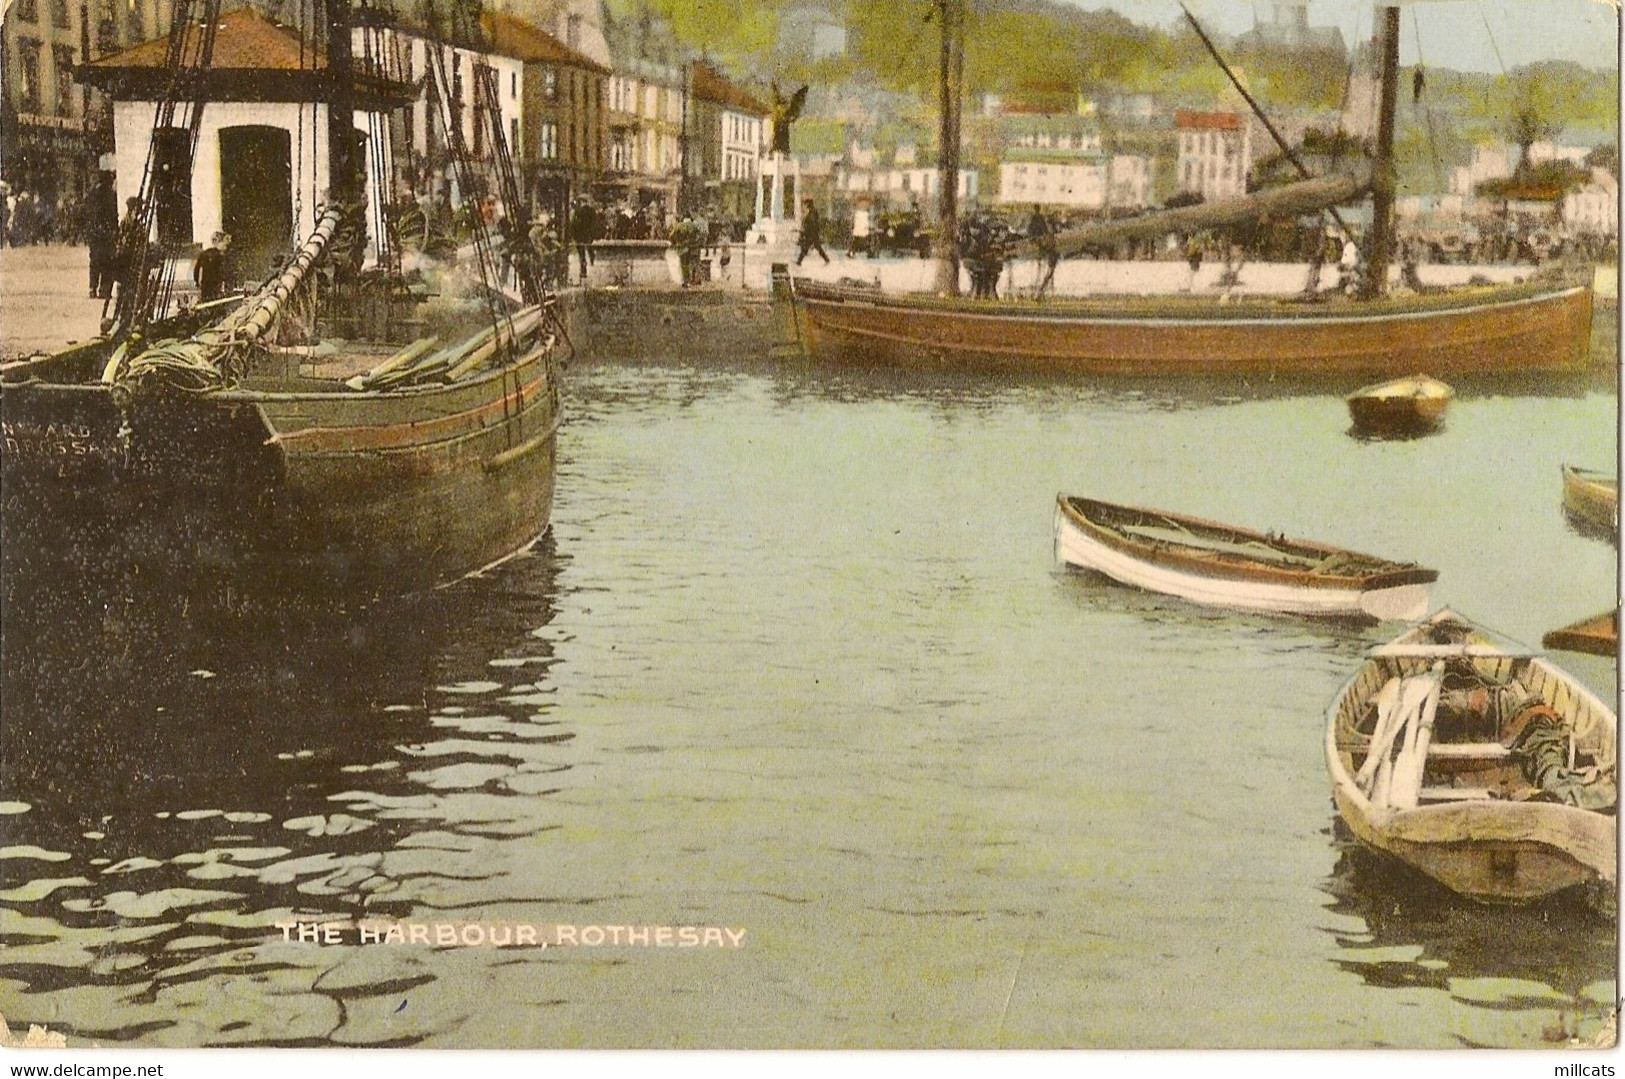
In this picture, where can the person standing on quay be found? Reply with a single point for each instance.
(210, 269)
(101, 234)
(583, 231)
(812, 232)
(1042, 233)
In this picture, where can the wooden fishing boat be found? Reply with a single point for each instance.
(1225, 566)
(290, 479)
(298, 442)
(1402, 406)
(1476, 331)
(1535, 326)
(1486, 768)
(1597, 635)
(1591, 499)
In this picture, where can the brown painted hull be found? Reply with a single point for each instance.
(1404, 406)
(1485, 331)
(342, 495)
(1597, 636)
(1397, 415)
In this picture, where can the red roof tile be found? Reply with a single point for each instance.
(513, 37)
(711, 85)
(1189, 119)
(244, 40)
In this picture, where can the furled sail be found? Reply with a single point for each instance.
(1288, 200)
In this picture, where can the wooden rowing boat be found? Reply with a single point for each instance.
(1226, 566)
(1488, 769)
(1402, 406)
(1591, 499)
(1597, 636)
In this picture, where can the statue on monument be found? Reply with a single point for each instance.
(785, 112)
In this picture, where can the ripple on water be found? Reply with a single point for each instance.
(336, 824)
(140, 906)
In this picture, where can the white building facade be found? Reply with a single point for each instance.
(1594, 209)
(1215, 153)
(1096, 182)
(742, 144)
(902, 186)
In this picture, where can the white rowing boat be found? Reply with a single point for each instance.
(1222, 565)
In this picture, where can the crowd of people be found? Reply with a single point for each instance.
(28, 217)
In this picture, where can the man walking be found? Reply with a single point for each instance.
(812, 232)
(1042, 233)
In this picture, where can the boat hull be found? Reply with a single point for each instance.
(340, 495)
(1512, 853)
(1515, 330)
(1596, 636)
(1076, 545)
(1591, 501)
(1406, 406)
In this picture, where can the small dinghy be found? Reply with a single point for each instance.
(1403, 406)
(1591, 500)
(1226, 566)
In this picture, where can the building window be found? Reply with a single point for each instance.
(547, 141)
(63, 55)
(513, 135)
(572, 31)
(513, 84)
(28, 10)
(28, 75)
(550, 83)
(137, 21)
(59, 13)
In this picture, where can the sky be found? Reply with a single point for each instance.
(1468, 35)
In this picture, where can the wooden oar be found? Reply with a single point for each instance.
(1382, 737)
(1411, 763)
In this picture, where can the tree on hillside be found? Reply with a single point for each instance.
(1534, 115)
(732, 31)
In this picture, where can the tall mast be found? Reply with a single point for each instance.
(341, 172)
(1382, 172)
(951, 76)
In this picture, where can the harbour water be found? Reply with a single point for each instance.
(796, 663)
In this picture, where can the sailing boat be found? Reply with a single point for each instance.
(230, 446)
(1534, 326)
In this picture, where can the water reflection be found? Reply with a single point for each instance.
(177, 785)
(1542, 974)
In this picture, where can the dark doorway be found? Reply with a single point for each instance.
(256, 199)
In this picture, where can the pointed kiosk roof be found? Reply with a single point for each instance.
(253, 59)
